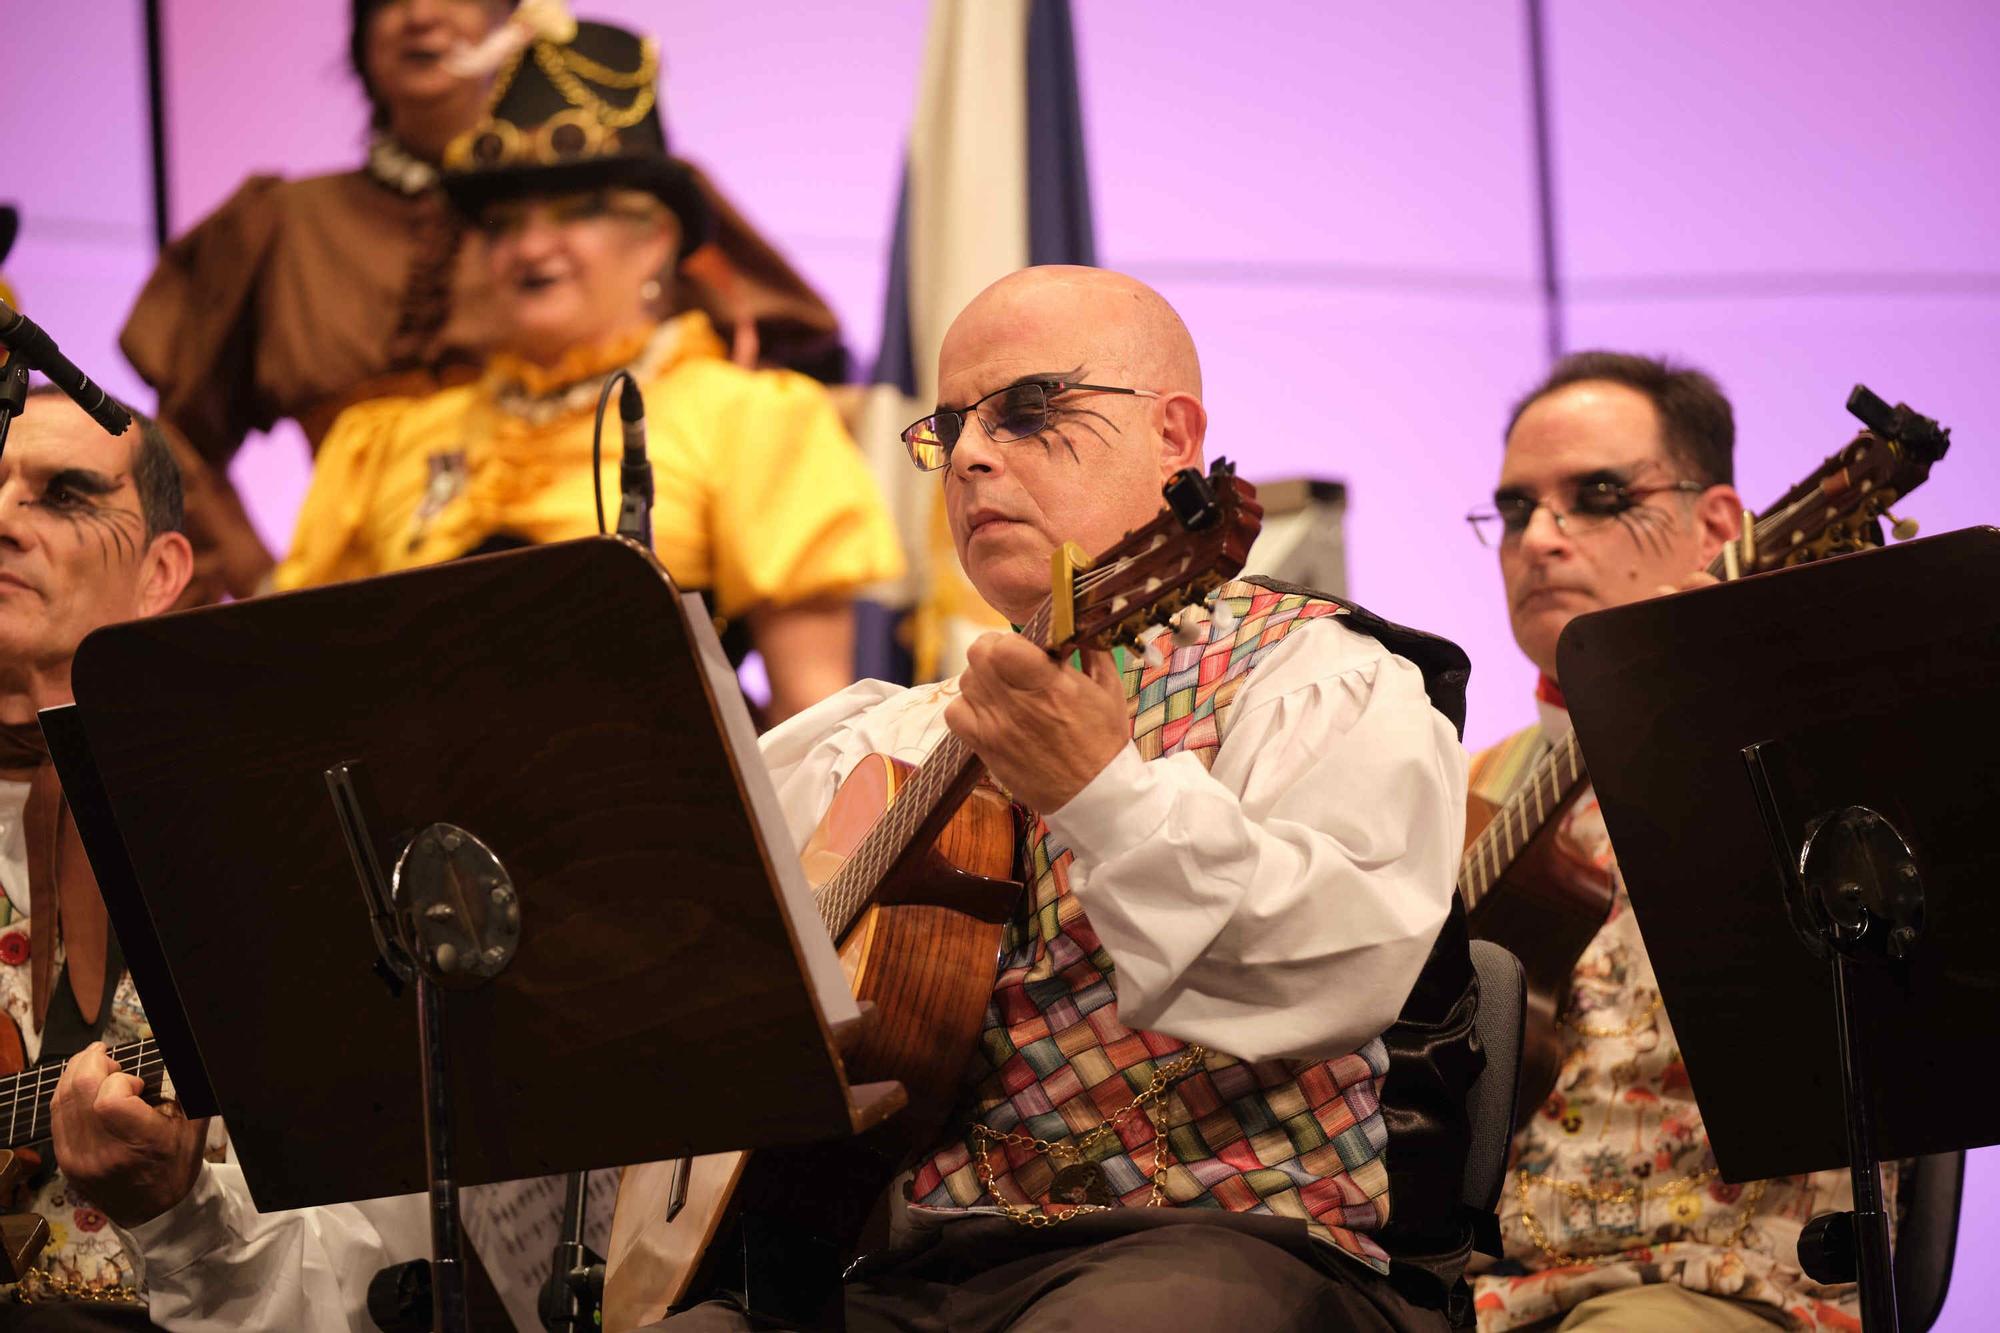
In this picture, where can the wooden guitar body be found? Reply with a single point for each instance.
(1546, 907)
(924, 955)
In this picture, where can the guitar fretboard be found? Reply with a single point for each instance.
(1551, 781)
(842, 898)
(25, 1097)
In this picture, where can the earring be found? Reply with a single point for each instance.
(650, 289)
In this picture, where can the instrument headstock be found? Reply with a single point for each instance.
(1837, 509)
(1198, 542)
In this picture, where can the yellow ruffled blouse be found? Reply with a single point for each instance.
(760, 494)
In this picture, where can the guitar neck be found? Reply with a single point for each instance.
(25, 1097)
(1551, 782)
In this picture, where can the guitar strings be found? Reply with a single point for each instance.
(33, 1090)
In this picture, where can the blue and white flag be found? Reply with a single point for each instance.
(994, 180)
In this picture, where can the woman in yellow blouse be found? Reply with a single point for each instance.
(763, 502)
(299, 298)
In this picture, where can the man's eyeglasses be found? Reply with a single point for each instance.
(1012, 413)
(1592, 504)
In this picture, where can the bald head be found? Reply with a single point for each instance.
(1105, 321)
(1094, 472)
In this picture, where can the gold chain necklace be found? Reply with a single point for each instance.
(1631, 1029)
(1687, 1184)
(514, 399)
(1079, 1186)
(557, 65)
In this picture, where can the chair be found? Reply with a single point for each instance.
(1489, 1107)
(1927, 1238)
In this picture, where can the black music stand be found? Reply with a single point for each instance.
(1834, 901)
(667, 988)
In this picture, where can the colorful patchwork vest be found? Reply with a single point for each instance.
(1302, 1139)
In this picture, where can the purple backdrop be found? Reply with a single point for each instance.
(1340, 199)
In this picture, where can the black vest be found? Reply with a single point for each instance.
(1434, 1050)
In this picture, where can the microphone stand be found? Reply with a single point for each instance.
(29, 346)
(13, 394)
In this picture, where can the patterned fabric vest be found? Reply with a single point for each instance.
(1300, 1139)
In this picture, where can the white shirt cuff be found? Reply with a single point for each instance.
(1118, 810)
(201, 1222)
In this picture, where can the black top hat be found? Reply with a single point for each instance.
(577, 116)
(10, 222)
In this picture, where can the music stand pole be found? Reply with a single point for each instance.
(423, 921)
(573, 1298)
(1856, 887)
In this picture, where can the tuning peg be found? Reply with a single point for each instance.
(1153, 657)
(1189, 628)
(1222, 619)
(1904, 529)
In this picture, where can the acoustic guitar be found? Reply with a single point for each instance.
(25, 1096)
(913, 873)
(1522, 885)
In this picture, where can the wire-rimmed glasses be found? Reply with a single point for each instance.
(1011, 413)
(1592, 504)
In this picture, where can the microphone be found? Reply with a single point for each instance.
(31, 345)
(635, 470)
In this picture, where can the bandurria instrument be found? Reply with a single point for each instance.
(1522, 887)
(25, 1095)
(913, 873)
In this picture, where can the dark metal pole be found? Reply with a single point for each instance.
(1871, 1222)
(1545, 169)
(447, 1245)
(156, 118)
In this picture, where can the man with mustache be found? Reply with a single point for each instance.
(1240, 864)
(89, 535)
(1616, 486)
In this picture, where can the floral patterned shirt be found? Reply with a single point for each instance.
(1613, 1182)
(82, 1244)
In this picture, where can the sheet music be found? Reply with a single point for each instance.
(513, 1226)
(822, 964)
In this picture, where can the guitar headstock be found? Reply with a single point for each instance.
(1838, 508)
(1198, 542)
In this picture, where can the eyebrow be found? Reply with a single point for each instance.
(1032, 377)
(1596, 476)
(88, 480)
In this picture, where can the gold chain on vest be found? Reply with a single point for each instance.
(563, 66)
(40, 1287)
(1673, 1189)
(1632, 1029)
(1070, 1155)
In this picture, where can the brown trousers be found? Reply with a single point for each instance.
(1194, 1271)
